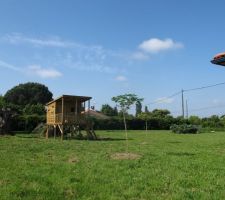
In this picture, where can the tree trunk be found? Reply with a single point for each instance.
(125, 127)
(146, 127)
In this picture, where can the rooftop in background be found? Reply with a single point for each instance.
(219, 59)
(95, 114)
(71, 97)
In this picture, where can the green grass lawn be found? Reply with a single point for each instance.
(171, 167)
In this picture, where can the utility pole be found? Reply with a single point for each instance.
(186, 109)
(182, 99)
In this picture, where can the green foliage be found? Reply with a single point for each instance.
(28, 122)
(38, 109)
(146, 109)
(126, 100)
(138, 108)
(160, 113)
(2, 102)
(144, 116)
(28, 93)
(185, 128)
(194, 120)
(108, 110)
(27, 101)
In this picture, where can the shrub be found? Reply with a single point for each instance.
(185, 128)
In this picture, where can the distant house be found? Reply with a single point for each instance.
(96, 114)
(66, 110)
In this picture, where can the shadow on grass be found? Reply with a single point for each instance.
(30, 136)
(174, 142)
(100, 139)
(180, 154)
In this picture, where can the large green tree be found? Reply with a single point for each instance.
(28, 93)
(138, 108)
(146, 109)
(108, 110)
(160, 113)
(2, 102)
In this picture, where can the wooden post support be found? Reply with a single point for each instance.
(89, 106)
(54, 131)
(62, 133)
(62, 110)
(76, 112)
(46, 135)
(76, 108)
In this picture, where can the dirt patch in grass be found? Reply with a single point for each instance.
(3, 182)
(143, 143)
(73, 160)
(125, 156)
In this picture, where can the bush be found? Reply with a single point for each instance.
(185, 128)
(27, 122)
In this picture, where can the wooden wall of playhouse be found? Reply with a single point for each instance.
(70, 110)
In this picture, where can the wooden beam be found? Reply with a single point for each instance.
(76, 108)
(46, 136)
(60, 128)
(89, 106)
(54, 131)
(62, 132)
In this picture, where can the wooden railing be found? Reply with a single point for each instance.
(68, 118)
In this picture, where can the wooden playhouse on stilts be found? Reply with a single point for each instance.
(66, 116)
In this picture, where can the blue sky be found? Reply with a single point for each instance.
(106, 48)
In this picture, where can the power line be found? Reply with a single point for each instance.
(207, 108)
(164, 98)
(200, 109)
(204, 87)
(182, 91)
(185, 90)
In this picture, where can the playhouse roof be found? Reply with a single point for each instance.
(71, 97)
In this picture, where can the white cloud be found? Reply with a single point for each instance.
(43, 72)
(139, 56)
(155, 45)
(17, 38)
(8, 66)
(121, 78)
(90, 58)
(165, 100)
(36, 70)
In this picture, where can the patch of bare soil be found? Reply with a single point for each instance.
(125, 156)
(143, 143)
(73, 160)
(3, 182)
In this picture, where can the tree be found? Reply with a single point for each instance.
(28, 93)
(145, 116)
(2, 102)
(115, 111)
(160, 113)
(125, 101)
(146, 109)
(38, 109)
(195, 120)
(108, 110)
(138, 108)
